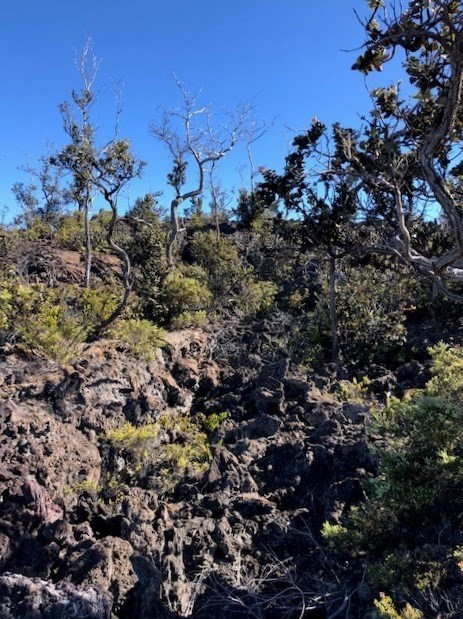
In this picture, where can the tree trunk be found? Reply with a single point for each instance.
(333, 312)
(126, 278)
(172, 238)
(88, 243)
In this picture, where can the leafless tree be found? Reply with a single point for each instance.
(193, 135)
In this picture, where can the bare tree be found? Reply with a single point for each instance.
(220, 199)
(192, 135)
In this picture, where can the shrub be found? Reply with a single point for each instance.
(189, 319)
(212, 422)
(256, 297)
(418, 487)
(146, 247)
(220, 260)
(447, 370)
(70, 232)
(352, 391)
(250, 210)
(40, 318)
(139, 337)
(96, 304)
(53, 332)
(372, 303)
(386, 609)
(162, 453)
(185, 290)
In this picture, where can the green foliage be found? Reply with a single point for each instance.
(70, 231)
(185, 293)
(372, 302)
(423, 460)
(53, 332)
(99, 230)
(221, 261)
(55, 321)
(250, 210)
(139, 337)
(447, 369)
(96, 304)
(145, 244)
(386, 609)
(419, 482)
(212, 422)
(40, 318)
(256, 296)
(334, 534)
(352, 391)
(162, 453)
(404, 571)
(371, 307)
(6, 306)
(189, 320)
(37, 229)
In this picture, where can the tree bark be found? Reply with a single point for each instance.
(333, 311)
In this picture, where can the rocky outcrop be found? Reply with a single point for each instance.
(32, 598)
(244, 535)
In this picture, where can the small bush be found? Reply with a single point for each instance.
(386, 609)
(40, 318)
(186, 292)
(352, 391)
(256, 297)
(53, 332)
(162, 453)
(418, 487)
(70, 232)
(139, 337)
(96, 304)
(212, 422)
(220, 260)
(447, 370)
(188, 320)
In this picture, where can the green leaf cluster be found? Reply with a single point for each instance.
(139, 337)
(162, 453)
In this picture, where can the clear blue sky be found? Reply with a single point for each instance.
(284, 56)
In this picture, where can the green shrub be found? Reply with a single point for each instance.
(447, 370)
(386, 609)
(70, 232)
(162, 453)
(418, 487)
(37, 229)
(372, 303)
(139, 337)
(256, 297)
(250, 210)
(212, 422)
(352, 391)
(190, 319)
(53, 333)
(185, 290)
(96, 304)
(46, 323)
(220, 260)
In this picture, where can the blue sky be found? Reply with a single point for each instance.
(283, 56)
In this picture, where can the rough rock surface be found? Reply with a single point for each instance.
(242, 536)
